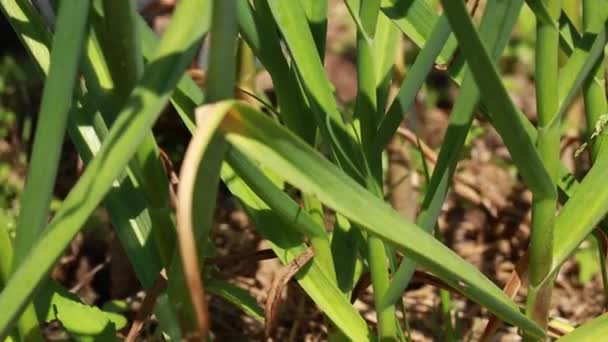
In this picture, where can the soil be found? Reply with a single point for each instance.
(485, 219)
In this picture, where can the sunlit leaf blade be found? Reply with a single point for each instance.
(495, 28)
(581, 213)
(111, 86)
(316, 14)
(290, 18)
(132, 221)
(540, 10)
(497, 100)
(416, 19)
(580, 64)
(142, 109)
(272, 146)
(287, 245)
(409, 89)
(56, 101)
(594, 330)
(259, 30)
(386, 46)
(82, 322)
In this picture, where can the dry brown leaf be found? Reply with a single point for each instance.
(274, 296)
(518, 276)
(147, 307)
(185, 228)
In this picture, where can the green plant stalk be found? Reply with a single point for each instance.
(132, 218)
(496, 24)
(366, 111)
(387, 44)
(320, 242)
(53, 117)
(594, 90)
(594, 97)
(124, 61)
(294, 108)
(313, 206)
(153, 90)
(446, 310)
(6, 251)
(598, 235)
(416, 77)
(6, 260)
(221, 80)
(365, 105)
(245, 67)
(544, 205)
(48, 140)
(311, 73)
(287, 210)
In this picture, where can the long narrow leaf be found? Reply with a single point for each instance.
(505, 115)
(256, 135)
(287, 245)
(143, 108)
(52, 122)
(496, 25)
(132, 221)
(416, 19)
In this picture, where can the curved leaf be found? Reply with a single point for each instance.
(270, 145)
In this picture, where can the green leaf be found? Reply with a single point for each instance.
(594, 330)
(583, 211)
(294, 108)
(496, 25)
(541, 11)
(143, 107)
(237, 296)
(287, 245)
(497, 100)
(272, 146)
(290, 18)
(56, 101)
(415, 79)
(83, 322)
(316, 14)
(416, 19)
(131, 221)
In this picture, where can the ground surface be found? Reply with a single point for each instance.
(485, 219)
